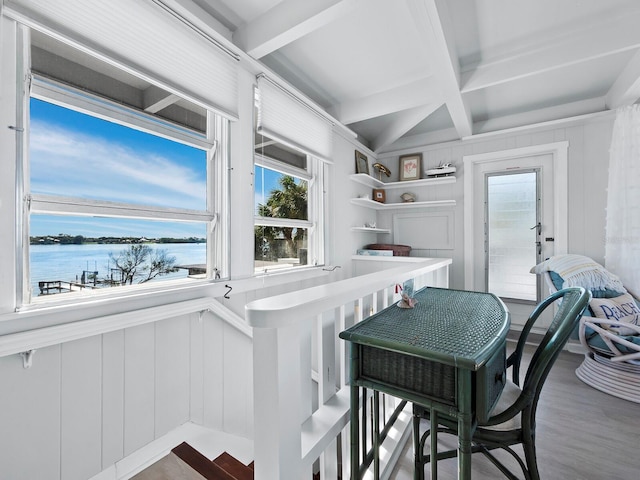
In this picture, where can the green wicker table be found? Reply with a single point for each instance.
(447, 353)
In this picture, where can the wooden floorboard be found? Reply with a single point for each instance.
(582, 434)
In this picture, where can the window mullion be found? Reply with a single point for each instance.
(281, 222)
(281, 167)
(56, 92)
(50, 204)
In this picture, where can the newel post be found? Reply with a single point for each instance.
(277, 396)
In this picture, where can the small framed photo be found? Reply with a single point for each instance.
(379, 195)
(410, 166)
(362, 164)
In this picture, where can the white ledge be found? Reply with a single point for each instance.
(13, 343)
(287, 309)
(373, 182)
(370, 229)
(367, 202)
(384, 258)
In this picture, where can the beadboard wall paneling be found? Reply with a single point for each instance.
(172, 363)
(139, 387)
(237, 391)
(213, 367)
(588, 160)
(113, 397)
(196, 372)
(30, 406)
(81, 408)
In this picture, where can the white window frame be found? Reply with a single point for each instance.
(214, 143)
(314, 176)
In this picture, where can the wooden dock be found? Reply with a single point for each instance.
(52, 287)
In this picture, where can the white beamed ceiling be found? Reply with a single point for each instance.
(413, 72)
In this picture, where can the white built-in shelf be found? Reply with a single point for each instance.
(370, 229)
(384, 258)
(372, 182)
(366, 202)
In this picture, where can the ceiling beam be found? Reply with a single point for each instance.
(626, 89)
(589, 44)
(548, 115)
(433, 25)
(155, 99)
(288, 21)
(405, 122)
(420, 92)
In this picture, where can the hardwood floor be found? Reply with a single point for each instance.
(582, 434)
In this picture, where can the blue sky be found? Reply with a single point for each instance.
(77, 155)
(266, 180)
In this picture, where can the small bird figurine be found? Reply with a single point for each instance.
(381, 169)
(407, 301)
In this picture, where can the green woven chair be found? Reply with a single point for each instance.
(513, 419)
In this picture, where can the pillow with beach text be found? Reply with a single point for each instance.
(622, 309)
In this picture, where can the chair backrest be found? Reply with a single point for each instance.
(573, 302)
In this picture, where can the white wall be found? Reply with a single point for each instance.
(345, 242)
(588, 160)
(85, 404)
(7, 169)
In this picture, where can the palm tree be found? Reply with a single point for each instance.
(287, 201)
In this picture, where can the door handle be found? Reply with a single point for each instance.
(537, 226)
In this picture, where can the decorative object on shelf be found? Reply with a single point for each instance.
(362, 164)
(379, 195)
(410, 166)
(443, 170)
(375, 253)
(398, 250)
(408, 197)
(378, 167)
(370, 225)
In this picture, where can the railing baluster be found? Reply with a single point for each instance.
(342, 347)
(292, 336)
(374, 302)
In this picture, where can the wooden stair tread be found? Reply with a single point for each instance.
(170, 467)
(200, 463)
(224, 467)
(235, 467)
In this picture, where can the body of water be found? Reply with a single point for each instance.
(68, 262)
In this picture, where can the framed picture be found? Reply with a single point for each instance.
(362, 164)
(410, 166)
(379, 195)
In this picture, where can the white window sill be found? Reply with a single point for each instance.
(46, 324)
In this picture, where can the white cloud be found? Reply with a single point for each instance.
(72, 163)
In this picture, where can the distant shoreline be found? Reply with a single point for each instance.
(64, 239)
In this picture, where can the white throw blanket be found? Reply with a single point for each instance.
(580, 271)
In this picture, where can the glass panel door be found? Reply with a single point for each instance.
(512, 230)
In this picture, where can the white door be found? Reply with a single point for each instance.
(513, 211)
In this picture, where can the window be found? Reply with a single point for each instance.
(121, 180)
(293, 144)
(287, 207)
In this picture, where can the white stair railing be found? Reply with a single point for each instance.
(300, 422)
